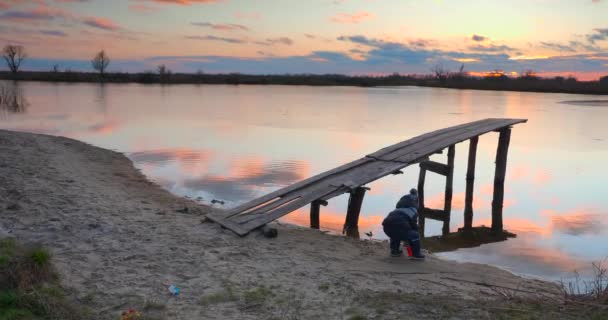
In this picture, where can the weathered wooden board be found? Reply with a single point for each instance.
(438, 168)
(434, 214)
(253, 214)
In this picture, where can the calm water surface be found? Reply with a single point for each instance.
(235, 143)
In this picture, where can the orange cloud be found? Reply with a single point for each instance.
(352, 18)
(100, 23)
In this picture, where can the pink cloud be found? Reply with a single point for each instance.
(352, 18)
(142, 8)
(43, 13)
(184, 2)
(101, 23)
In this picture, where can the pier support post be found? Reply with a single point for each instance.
(499, 178)
(468, 201)
(351, 226)
(448, 190)
(315, 209)
(421, 179)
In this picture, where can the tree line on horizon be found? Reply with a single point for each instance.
(14, 55)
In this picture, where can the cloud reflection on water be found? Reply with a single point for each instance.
(242, 179)
(247, 179)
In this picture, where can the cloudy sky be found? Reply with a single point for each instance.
(565, 37)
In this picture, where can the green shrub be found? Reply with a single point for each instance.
(40, 257)
(15, 314)
(8, 299)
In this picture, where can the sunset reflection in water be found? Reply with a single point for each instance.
(235, 143)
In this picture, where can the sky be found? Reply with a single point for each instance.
(355, 37)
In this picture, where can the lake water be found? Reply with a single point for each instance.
(235, 143)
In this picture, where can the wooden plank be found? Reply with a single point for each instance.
(434, 136)
(270, 206)
(468, 201)
(298, 185)
(448, 190)
(279, 212)
(366, 174)
(427, 147)
(351, 225)
(499, 178)
(436, 167)
(434, 214)
(422, 137)
(439, 142)
(227, 223)
(243, 218)
(421, 180)
(444, 136)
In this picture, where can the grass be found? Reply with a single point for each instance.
(257, 296)
(30, 285)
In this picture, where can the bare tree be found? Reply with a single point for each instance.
(14, 56)
(100, 62)
(441, 73)
(162, 69)
(163, 72)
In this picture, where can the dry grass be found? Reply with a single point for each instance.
(593, 292)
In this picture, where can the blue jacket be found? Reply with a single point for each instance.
(405, 218)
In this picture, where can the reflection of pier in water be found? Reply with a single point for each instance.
(352, 178)
(11, 98)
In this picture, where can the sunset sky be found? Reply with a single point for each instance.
(552, 37)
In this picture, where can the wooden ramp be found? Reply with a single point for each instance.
(352, 176)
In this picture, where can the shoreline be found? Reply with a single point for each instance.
(458, 82)
(117, 237)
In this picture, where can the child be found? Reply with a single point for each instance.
(402, 225)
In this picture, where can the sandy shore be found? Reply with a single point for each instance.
(118, 242)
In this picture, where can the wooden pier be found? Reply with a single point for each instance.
(352, 178)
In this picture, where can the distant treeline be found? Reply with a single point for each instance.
(458, 81)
